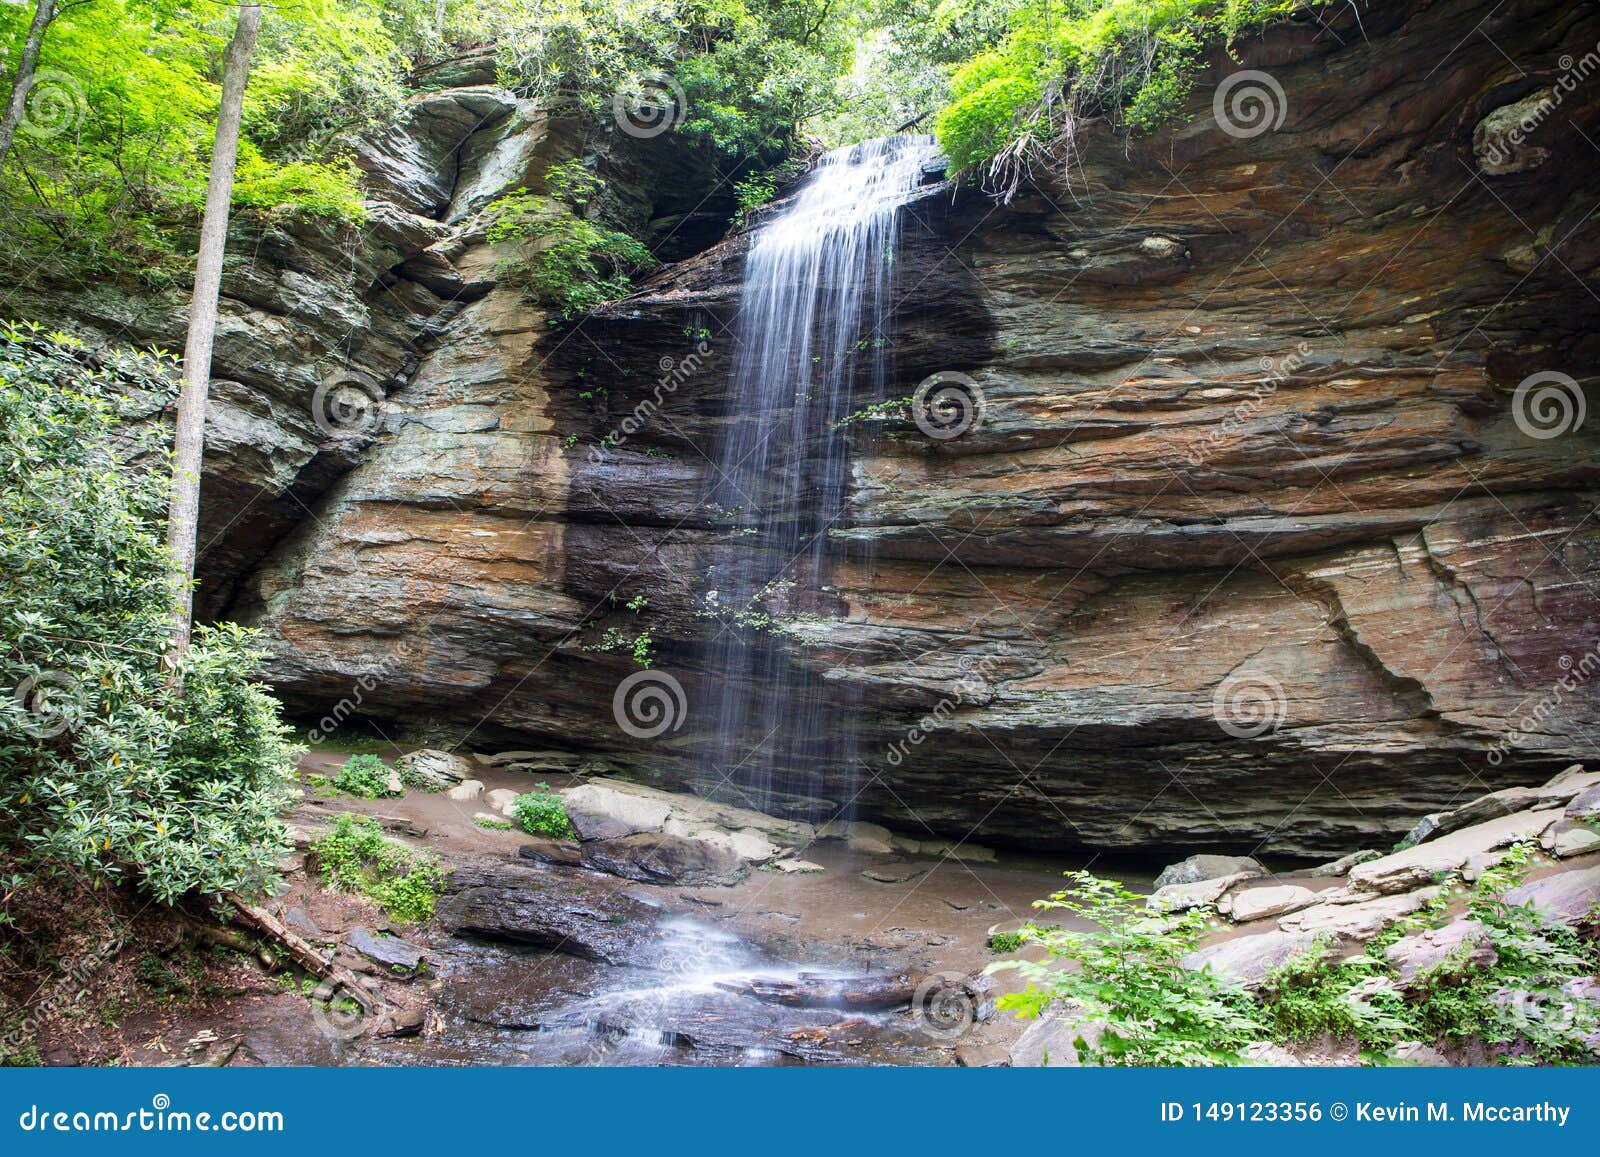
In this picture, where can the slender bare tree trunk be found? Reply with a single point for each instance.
(43, 13)
(189, 445)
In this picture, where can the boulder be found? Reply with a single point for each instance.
(501, 799)
(601, 812)
(1182, 897)
(1422, 864)
(659, 858)
(1417, 1055)
(1264, 903)
(466, 790)
(1208, 867)
(440, 769)
(791, 867)
(1496, 804)
(1249, 959)
(587, 916)
(1570, 897)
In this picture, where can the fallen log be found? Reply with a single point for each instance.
(306, 954)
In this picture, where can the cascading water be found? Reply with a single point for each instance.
(812, 332)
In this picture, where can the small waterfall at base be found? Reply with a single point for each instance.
(812, 331)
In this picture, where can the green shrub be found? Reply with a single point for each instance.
(490, 824)
(542, 813)
(364, 776)
(357, 857)
(574, 264)
(1128, 973)
(109, 765)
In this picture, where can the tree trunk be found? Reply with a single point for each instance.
(43, 13)
(189, 442)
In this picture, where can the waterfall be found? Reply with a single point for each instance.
(812, 348)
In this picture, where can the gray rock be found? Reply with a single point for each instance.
(442, 769)
(1263, 903)
(1182, 897)
(1250, 958)
(1418, 1055)
(1568, 896)
(544, 851)
(1356, 920)
(1421, 865)
(467, 790)
(1050, 1041)
(659, 858)
(389, 951)
(1464, 939)
(1571, 837)
(1585, 805)
(1207, 867)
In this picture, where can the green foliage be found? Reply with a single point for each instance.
(1128, 974)
(109, 172)
(357, 857)
(109, 765)
(574, 264)
(750, 71)
(1003, 942)
(490, 824)
(364, 776)
(1035, 67)
(1520, 1005)
(755, 190)
(542, 813)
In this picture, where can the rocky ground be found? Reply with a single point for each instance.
(676, 930)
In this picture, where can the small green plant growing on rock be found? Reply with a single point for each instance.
(356, 857)
(542, 813)
(575, 263)
(364, 776)
(493, 825)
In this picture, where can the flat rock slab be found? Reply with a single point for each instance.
(1570, 897)
(540, 850)
(1264, 903)
(601, 812)
(1421, 865)
(1250, 958)
(441, 768)
(389, 951)
(641, 809)
(1356, 921)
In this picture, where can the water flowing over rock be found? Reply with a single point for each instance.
(1252, 546)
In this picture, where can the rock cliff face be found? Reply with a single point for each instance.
(1256, 544)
